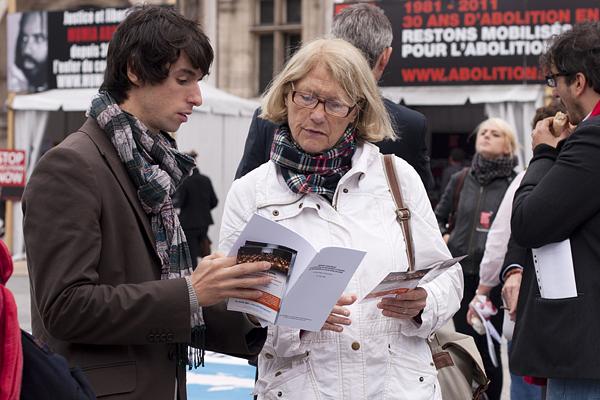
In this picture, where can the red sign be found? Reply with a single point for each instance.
(12, 168)
(458, 42)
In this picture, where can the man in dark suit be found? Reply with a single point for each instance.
(556, 336)
(112, 284)
(195, 198)
(367, 28)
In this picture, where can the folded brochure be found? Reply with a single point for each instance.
(400, 282)
(301, 297)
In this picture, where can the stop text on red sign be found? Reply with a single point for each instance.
(12, 168)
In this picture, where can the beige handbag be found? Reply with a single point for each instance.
(460, 368)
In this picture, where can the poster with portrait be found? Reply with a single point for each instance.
(27, 52)
(59, 49)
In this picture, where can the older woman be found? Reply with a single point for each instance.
(469, 205)
(326, 182)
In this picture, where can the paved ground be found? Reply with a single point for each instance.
(223, 378)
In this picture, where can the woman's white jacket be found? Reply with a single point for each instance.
(376, 357)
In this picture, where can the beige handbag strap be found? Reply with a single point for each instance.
(402, 212)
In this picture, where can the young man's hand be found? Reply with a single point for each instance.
(218, 277)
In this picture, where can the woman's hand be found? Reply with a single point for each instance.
(406, 305)
(481, 290)
(339, 315)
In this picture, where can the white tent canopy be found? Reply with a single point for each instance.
(216, 131)
(458, 95)
(215, 101)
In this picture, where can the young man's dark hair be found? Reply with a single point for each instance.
(148, 41)
(577, 50)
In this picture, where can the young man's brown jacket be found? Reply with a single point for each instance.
(97, 297)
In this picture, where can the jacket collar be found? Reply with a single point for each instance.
(108, 152)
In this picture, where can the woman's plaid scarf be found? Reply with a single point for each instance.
(486, 170)
(156, 168)
(308, 173)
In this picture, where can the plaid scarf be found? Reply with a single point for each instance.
(156, 168)
(485, 170)
(319, 173)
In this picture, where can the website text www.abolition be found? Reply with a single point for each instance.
(471, 74)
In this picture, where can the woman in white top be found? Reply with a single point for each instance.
(326, 182)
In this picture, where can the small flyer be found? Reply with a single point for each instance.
(282, 259)
(399, 282)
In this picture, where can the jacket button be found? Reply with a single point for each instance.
(300, 205)
(318, 206)
(279, 394)
(275, 212)
(355, 346)
(345, 190)
(277, 373)
(268, 356)
(421, 379)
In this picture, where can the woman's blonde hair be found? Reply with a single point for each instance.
(349, 68)
(507, 131)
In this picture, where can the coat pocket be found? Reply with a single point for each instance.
(409, 376)
(292, 381)
(113, 378)
(561, 345)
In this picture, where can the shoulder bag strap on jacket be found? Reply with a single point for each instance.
(402, 212)
(458, 188)
(456, 198)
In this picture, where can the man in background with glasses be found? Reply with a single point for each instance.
(369, 30)
(558, 203)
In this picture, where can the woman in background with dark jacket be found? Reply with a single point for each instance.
(465, 214)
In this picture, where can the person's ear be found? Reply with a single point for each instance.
(382, 62)
(580, 83)
(132, 76)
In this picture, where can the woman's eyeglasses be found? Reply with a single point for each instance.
(332, 107)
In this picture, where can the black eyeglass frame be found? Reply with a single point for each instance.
(320, 100)
(551, 79)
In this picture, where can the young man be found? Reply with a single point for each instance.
(559, 199)
(112, 283)
(369, 30)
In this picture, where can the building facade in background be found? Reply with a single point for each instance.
(254, 39)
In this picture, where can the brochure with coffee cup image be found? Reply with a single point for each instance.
(306, 283)
(282, 259)
(400, 282)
